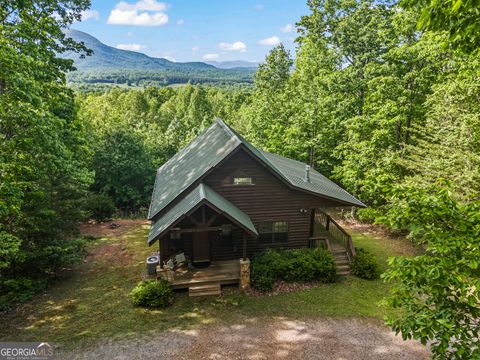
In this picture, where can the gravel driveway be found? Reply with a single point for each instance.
(338, 339)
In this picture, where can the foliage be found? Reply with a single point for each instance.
(18, 290)
(364, 265)
(152, 293)
(43, 152)
(439, 290)
(99, 207)
(60, 254)
(291, 265)
(123, 169)
(10, 249)
(457, 17)
(134, 132)
(448, 146)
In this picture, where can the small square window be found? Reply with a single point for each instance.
(242, 181)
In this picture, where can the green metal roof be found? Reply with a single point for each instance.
(294, 172)
(190, 164)
(211, 147)
(200, 195)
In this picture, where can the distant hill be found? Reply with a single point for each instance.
(233, 64)
(112, 65)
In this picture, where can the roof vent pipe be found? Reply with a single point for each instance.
(307, 173)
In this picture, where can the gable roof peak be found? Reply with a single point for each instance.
(188, 165)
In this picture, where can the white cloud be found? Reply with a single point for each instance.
(195, 48)
(210, 57)
(270, 41)
(143, 5)
(90, 14)
(131, 14)
(287, 28)
(180, 22)
(169, 58)
(236, 46)
(131, 47)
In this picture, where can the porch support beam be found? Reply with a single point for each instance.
(211, 220)
(195, 230)
(195, 221)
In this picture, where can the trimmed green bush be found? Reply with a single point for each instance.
(365, 265)
(99, 207)
(152, 293)
(291, 265)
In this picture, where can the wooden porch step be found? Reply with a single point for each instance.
(204, 290)
(341, 262)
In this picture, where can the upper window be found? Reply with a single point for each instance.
(238, 178)
(271, 232)
(242, 180)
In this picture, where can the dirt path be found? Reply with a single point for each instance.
(104, 229)
(339, 339)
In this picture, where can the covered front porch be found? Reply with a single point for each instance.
(203, 243)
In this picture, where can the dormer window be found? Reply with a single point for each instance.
(242, 180)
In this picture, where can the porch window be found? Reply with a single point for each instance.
(273, 232)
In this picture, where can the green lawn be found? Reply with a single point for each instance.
(93, 302)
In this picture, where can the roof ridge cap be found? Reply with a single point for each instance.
(227, 129)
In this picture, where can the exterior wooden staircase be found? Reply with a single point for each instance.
(333, 237)
(341, 260)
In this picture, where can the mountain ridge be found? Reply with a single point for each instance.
(109, 65)
(106, 56)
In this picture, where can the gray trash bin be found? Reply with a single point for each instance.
(152, 262)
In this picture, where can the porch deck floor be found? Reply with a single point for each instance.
(219, 272)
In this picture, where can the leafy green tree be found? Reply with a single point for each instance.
(43, 152)
(440, 290)
(265, 119)
(459, 18)
(123, 169)
(448, 145)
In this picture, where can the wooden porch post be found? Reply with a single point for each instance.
(244, 246)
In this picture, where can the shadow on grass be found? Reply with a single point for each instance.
(94, 304)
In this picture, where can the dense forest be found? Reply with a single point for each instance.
(382, 98)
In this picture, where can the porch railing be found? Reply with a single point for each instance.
(326, 227)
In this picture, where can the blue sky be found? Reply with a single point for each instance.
(195, 30)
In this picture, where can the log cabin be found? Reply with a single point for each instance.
(220, 199)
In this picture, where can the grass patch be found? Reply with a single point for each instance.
(93, 303)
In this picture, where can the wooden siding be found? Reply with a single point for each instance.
(270, 199)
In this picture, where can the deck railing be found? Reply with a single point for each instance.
(325, 226)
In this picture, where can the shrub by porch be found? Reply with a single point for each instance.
(292, 265)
